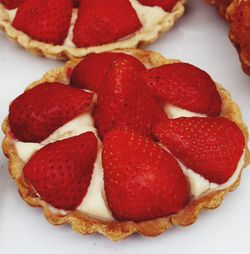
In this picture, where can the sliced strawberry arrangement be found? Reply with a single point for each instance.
(45, 20)
(38, 112)
(211, 147)
(142, 181)
(11, 4)
(186, 86)
(167, 5)
(89, 73)
(125, 101)
(61, 172)
(101, 22)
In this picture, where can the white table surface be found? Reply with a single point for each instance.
(199, 38)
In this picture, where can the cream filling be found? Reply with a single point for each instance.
(176, 112)
(149, 17)
(94, 203)
(199, 185)
(69, 40)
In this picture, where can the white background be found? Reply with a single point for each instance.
(199, 38)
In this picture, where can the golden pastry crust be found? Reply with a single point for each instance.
(113, 229)
(237, 12)
(63, 52)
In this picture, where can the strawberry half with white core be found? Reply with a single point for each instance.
(212, 147)
(38, 112)
(125, 101)
(11, 4)
(89, 73)
(101, 22)
(185, 86)
(142, 180)
(167, 5)
(45, 20)
(61, 172)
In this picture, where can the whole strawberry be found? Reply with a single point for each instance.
(167, 5)
(11, 4)
(211, 147)
(89, 73)
(45, 20)
(101, 22)
(61, 172)
(38, 112)
(142, 181)
(185, 86)
(125, 101)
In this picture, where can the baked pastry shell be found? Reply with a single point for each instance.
(228, 9)
(136, 40)
(116, 230)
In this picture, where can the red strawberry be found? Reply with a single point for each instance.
(61, 172)
(89, 73)
(101, 22)
(186, 86)
(45, 20)
(211, 147)
(124, 100)
(37, 113)
(76, 3)
(142, 181)
(167, 5)
(11, 4)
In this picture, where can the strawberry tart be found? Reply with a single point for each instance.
(123, 142)
(64, 29)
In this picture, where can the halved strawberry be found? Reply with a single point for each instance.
(101, 22)
(211, 147)
(124, 100)
(45, 20)
(38, 112)
(11, 4)
(186, 86)
(167, 5)
(89, 73)
(61, 172)
(142, 181)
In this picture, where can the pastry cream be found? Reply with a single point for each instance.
(176, 112)
(199, 185)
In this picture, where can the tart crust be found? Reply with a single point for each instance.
(116, 230)
(141, 38)
(238, 18)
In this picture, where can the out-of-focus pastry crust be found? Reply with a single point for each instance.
(237, 12)
(141, 38)
(113, 229)
(222, 5)
(239, 16)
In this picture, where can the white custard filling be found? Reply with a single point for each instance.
(94, 203)
(176, 112)
(148, 15)
(199, 185)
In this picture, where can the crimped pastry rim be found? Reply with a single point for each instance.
(65, 53)
(115, 230)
